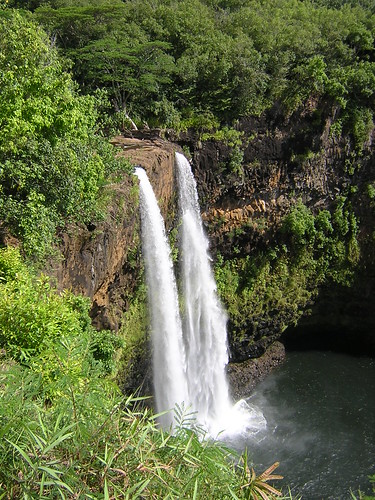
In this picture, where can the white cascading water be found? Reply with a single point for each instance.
(204, 320)
(189, 361)
(204, 326)
(168, 350)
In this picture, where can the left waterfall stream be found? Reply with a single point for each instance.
(166, 330)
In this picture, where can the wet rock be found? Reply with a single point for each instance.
(243, 377)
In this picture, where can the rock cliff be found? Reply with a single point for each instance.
(245, 190)
(287, 159)
(102, 260)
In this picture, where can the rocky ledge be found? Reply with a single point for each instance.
(243, 377)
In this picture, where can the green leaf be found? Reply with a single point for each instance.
(60, 438)
(22, 453)
(55, 473)
(137, 488)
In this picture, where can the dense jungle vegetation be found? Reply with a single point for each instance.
(207, 63)
(71, 74)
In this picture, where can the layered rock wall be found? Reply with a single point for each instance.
(102, 260)
(287, 159)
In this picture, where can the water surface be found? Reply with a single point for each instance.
(320, 412)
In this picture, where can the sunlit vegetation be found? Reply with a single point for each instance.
(280, 283)
(53, 161)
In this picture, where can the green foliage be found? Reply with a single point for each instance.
(362, 496)
(105, 346)
(371, 190)
(228, 136)
(266, 287)
(33, 316)
(130, 73)
(135, 335)
(338, 4)
(11, 265)
(173, 243)
(332, 238)
(299, 224)
(202, 122)
(38, 98)
(372, 480)
(33, 221)
(235, 160)
(362, 126)
(52, 163)
(117, 451)
(282, 281)
(166, 63)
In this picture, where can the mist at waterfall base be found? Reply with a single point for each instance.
(189, 355)
(320, 412)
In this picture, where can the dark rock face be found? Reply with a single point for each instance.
(243, 377)
(342, 320)
(287, 159)
(96, 260)
(284, 159)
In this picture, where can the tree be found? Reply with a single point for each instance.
(52, 163)
(133, 72)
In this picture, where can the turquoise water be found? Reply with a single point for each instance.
(320, 412)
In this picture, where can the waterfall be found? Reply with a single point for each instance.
(189, 355)
(169, 365)
(204, 320)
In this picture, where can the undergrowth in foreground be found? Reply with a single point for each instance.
(92, 443)
(66, 431)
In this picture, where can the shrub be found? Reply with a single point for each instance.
(299, 225)
(33, 316)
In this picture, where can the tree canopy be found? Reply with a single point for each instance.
(52, 160)
(164, 59)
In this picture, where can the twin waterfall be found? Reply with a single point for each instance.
(189, 348)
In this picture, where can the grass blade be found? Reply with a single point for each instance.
(22, 453)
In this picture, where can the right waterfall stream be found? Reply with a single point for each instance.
(203, 318)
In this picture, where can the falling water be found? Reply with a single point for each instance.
(204, 320)
(168, 351)
(189, 360)
(204, 326)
